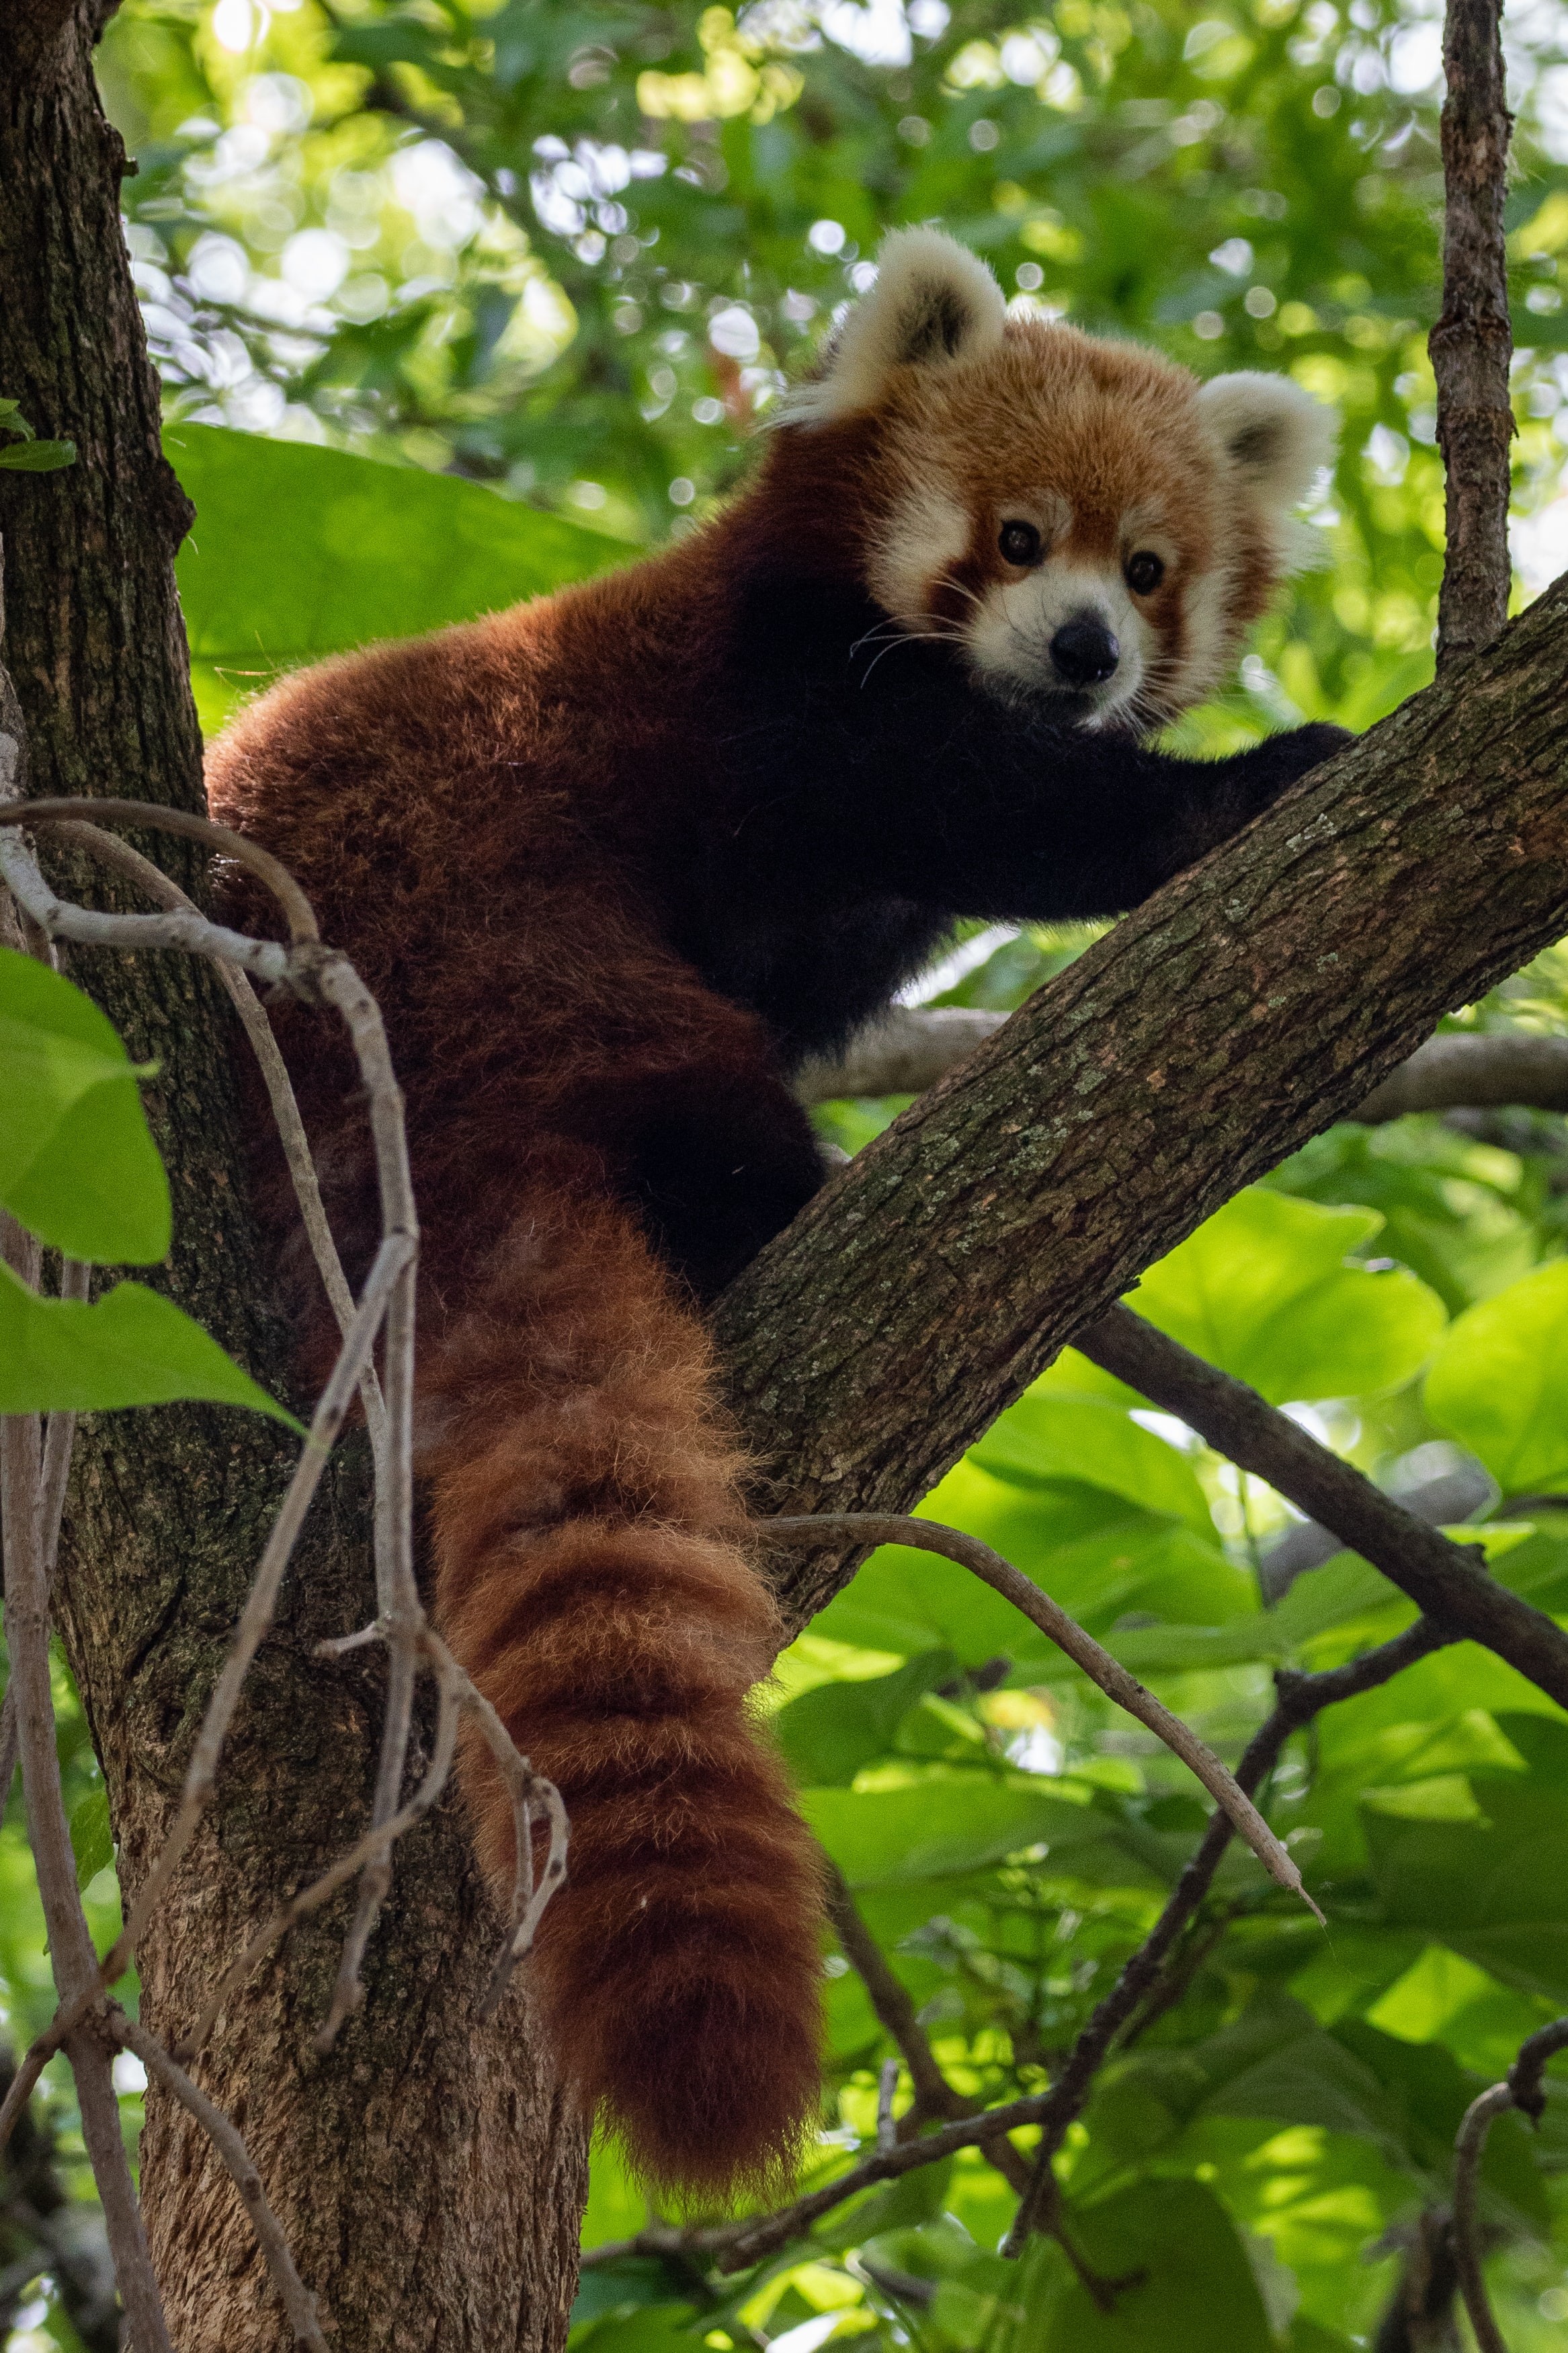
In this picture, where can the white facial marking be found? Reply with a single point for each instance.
(923, 539)
(1209, 636)
(1010, 636)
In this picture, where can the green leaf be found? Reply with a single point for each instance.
(939, 1828)
(1190, 2287)
(1340, 1590)
(78, 1166)
(655, 2328)
(830, 1732)
(1262, 1290)
(1494, 1889)
(131, 1347)
(1048, 1435)
(91, 1841)
(902, 2205)
(1430, 2092)
(298, 552)
(1499, 1382)
(38, 457)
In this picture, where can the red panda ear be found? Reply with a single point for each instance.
(1274, 436)
(934, 305)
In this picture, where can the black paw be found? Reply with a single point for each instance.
(1309, 747)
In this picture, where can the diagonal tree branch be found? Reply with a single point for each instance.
(1253, 1000)
(1444, 1578)
(934, 2095)
(912, 1046)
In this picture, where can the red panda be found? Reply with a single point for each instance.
(613, 862)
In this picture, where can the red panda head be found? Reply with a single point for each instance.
(1084, 520)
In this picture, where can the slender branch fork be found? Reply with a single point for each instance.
(1524, 2089)
(928, 1535)
(33, 1465)
(735, 2246)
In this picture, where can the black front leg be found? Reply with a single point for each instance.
(895, 775)
(1178, 810)
(952, 799)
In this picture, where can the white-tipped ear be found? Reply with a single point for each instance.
(935, 303)
(1274, 435)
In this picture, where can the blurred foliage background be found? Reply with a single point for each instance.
(453, 305)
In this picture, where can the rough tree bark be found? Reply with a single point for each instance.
(1472, 342)
(429, 2182)
(1257, 998)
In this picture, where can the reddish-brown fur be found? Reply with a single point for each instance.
(509, 827)
(587, 1529)
(592, 1577)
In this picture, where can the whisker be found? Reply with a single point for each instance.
(946, 580)
(886, 649)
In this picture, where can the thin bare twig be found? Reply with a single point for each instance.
(120, 855)
(951, 1544)
(71, 1956)
(261, 1602)
(735, 2245)
(1525, 2090)
(527, 1789)
(1472, 341)
(401, 1617)
(1444, 1578)
(225, 2138)
(934, 2095)
(1467, 2149)
(57, 919)
(297, 913)
(377, 1841)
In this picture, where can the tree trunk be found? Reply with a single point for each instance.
(425, 2170)
(429, 2180)
(1252, 1001)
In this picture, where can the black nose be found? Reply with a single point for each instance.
(1084, 651)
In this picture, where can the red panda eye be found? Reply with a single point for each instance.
(1020, 544)
(1144, 573)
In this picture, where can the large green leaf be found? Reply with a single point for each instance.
(77, 1166)
(1275, 2061)
(1050, 1436)
(1494, 1887)
(131, 1347)
(1262, 1289)
(1190, 2287)
(1430, 2091)
(830, 1732)
(1499, 1382)
(938, 1829)
(298, 552)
